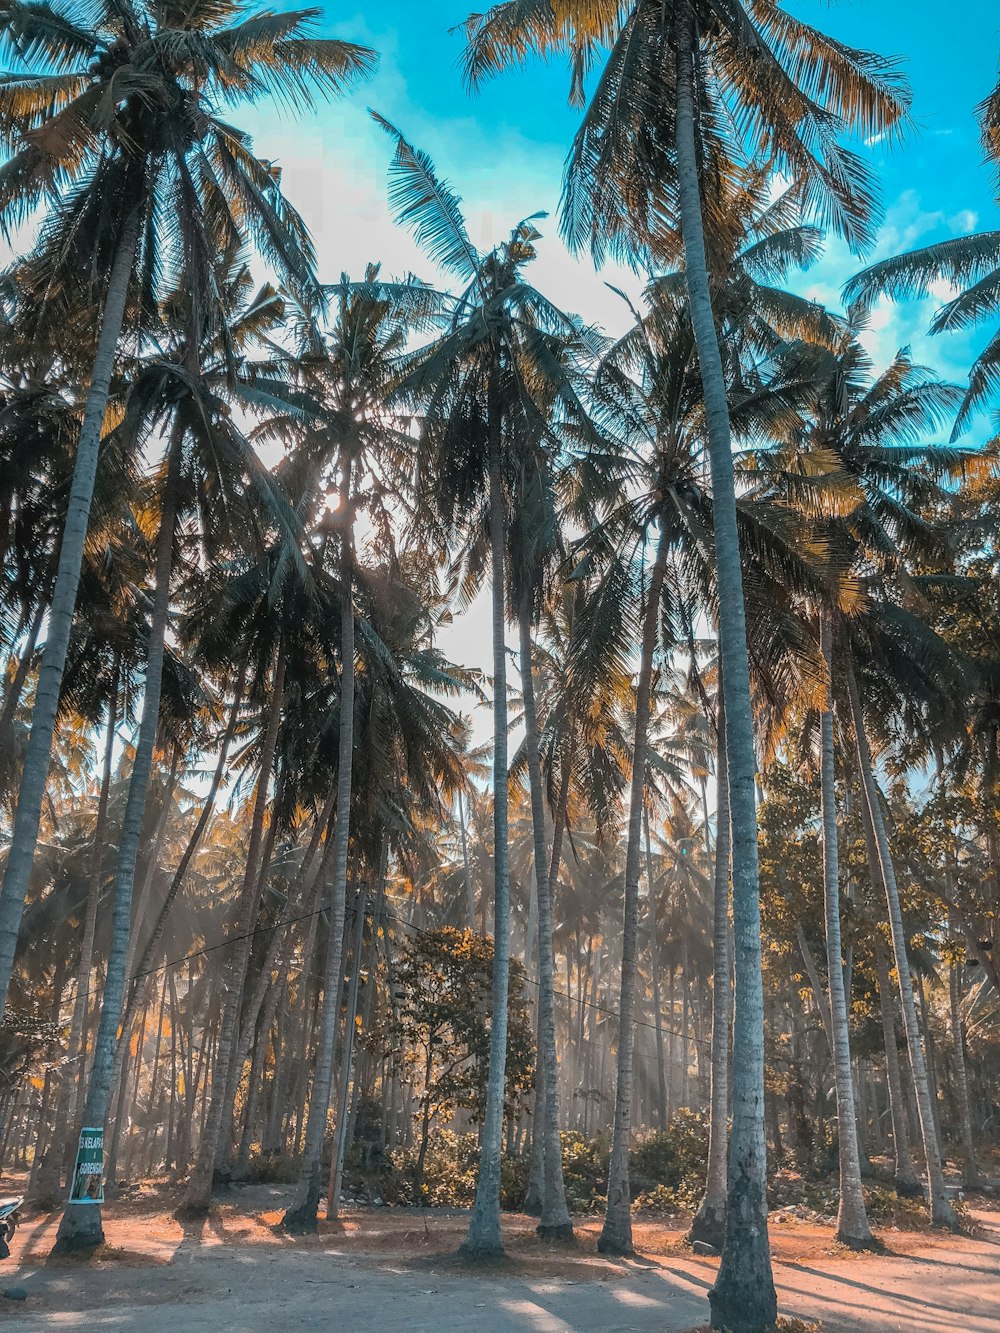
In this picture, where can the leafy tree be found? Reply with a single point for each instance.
(441, 1028)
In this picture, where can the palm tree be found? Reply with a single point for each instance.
(852, 1220)
(118, 127)
(651, 162)
(971, 263)
(487, 390)
(359, 447)
(877, 528)
(649, 480)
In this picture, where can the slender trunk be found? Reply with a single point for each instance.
(198, 1193)
(470, 900)
(555, 1220)
(815, 981)
(31, 792)
(971, 1174)
(709, 1224)
(616, 1234)
(152, 866)
(346, 1061)
(257, 1069)
(534, 1193)
(743, 1297)
(13, 695)
(277, 956)
(536, 1178)
(654, 963)
(73, 1075)
(144, 992)
(303, 1214)
(81, 1225)
(852, 1220)
(907, 1184)
(484, 1237)
(931, 1057)
(149, 953)
(425, 1127)
(176, 1058)
(941, 1211)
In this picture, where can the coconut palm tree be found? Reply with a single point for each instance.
(648, 172)
(113, 126)
(970, 263)
(650, 482)
(875, 427)
(488, 390)
(362, 452)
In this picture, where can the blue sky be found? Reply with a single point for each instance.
(503, 149)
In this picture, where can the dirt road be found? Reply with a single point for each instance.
(390, 1271)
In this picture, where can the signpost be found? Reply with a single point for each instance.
(88, 1175)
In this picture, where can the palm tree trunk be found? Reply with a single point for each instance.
(198, 1193)
(277, 956)
(709, 1224)
(812, 972)
(303, 1214)
(484, 1238)
(852, 1220)
(46, 1190)
(616, 1234)
(971, 1176)
(555, 1220)
(13, 695)
(654, 964)
(37, 757)
(930, 1056)
(346, 1060)
(743, 1297)
(81, 1225)
(148, 958)
(941, 1211)
(470, 900)
(536, 1177)
(907, 1184)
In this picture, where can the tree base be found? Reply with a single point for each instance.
(708, 1226)
(532, 1204)
(81, 1229)
(561, 1231)
(615, 1244)
(301, 1221)
(191, 1212)
(944, 1219)
(475, 1253)
(861, 1243)
(743, 1299)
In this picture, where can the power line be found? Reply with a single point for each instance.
(386, 914)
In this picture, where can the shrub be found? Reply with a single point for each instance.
(585, 1171)
(675, 1157)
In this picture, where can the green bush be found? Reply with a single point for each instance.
(675, 1157)
(667, 1170)
(449, 1172)
(272, 1169)
(585, 1171)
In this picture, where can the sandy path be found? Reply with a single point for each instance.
(395, 1271)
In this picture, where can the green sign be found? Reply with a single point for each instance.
(88, 1177)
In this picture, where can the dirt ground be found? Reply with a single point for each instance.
(396, 1269)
